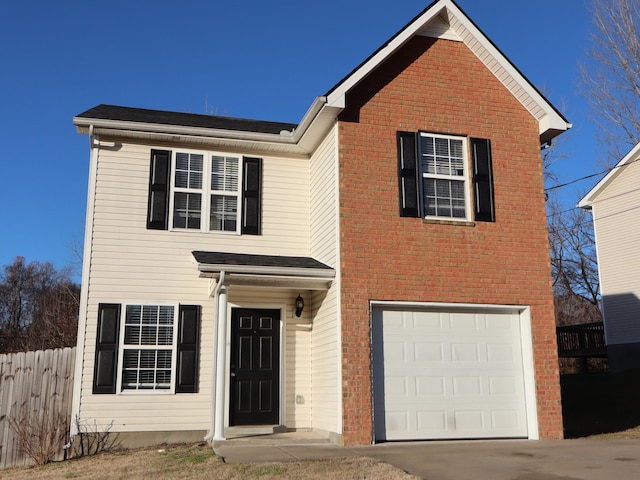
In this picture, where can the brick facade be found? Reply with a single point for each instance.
(439, 86)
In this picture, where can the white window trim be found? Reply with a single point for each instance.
(121, 348)
(465, 178)
(205, 192)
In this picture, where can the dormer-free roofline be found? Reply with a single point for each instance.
(447, 20)
(587, 201)
(441, 19)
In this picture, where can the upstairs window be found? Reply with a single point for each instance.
(437, 180)
(444, 176)
(206, 192)
(223, 213)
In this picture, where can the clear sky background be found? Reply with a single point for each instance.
(250, 59)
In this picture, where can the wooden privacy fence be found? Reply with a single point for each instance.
(35, 388)
(583, 341)
(586, 340)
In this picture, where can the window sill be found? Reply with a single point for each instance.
(457, 223)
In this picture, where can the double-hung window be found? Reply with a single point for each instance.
(188, 185)
(205, 191)
(147, 348)
(223, 212)
(445, 177)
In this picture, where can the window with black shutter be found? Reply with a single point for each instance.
(106, 359)
(436, 181)
(205, 191)
(147, 348)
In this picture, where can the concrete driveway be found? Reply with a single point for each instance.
(475, 460)
(514, 460)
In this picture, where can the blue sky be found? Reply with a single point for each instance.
(252, 59)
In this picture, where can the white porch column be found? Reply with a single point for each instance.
(221, 363)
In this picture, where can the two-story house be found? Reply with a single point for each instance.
(378, 271)
(613, 203)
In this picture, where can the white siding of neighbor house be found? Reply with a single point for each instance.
(132, 264)
(616, 212)
(325, 353)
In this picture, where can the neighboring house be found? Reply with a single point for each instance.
(406, 211)
(614, 204)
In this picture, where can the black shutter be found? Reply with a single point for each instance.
(106, 361)
(188, 349)
(408, 175)
(252, 196)
(483, 180)
(159, 175)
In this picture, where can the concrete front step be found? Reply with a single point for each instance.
(283, 438)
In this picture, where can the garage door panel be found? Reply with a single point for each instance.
(459, 375)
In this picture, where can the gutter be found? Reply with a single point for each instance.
(263, 270)
(92, 125)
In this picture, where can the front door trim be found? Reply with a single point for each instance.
(279, 312)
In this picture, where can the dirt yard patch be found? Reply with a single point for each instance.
(601, 404)
(199, 462)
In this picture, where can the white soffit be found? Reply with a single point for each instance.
(439, 28)
(445, 20)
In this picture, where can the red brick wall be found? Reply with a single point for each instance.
(439, 86)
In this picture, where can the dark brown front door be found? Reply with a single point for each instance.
(255, 367)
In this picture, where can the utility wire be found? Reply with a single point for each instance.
(590, 176)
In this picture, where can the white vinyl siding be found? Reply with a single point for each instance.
(325, 350)
(616, 213)
(130, 264)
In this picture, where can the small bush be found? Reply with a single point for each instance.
(39, 434)
(91, 440)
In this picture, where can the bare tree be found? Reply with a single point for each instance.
(574, 265)
(610, 77)
(38, 307)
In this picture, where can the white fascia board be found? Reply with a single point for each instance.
(263, 270)
(337, 97)
(552, 120)
(133, 129)
(587, 201)
(83, 125)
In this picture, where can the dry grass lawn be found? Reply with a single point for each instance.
(199, 462)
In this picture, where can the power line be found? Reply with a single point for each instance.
(554, 187)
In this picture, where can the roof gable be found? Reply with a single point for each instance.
(444, 19)
(590, 197)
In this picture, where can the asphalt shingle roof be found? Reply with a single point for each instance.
(161, 117)
(223, 258)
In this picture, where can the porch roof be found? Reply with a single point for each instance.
(265, 270)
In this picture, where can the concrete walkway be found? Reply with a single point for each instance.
(583, 459)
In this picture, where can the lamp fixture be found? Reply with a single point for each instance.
(299, 305)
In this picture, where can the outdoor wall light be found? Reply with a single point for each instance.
(299, 305)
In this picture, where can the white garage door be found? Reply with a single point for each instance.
(447, 375)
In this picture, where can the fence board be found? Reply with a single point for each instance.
(32, 383)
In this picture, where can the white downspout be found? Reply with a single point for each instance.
(219, 377)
